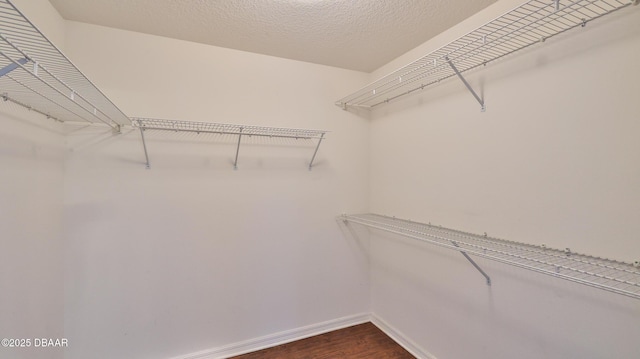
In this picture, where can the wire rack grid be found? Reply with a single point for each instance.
(36, 75)
(225, 128)
(144, 124)
(530, 23)
(606, 274)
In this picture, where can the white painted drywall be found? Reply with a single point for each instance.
(45, 17)
(553, 160)
(191, 254)
(31, 234)
(31, 237)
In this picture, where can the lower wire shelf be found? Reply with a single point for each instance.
(606, 274)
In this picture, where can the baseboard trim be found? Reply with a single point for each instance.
(400, 338)
(279, 338)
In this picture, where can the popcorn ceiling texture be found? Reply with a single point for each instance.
(352, 34)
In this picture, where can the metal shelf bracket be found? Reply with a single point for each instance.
(464, 81)
(12, 66)
(235, 162)
(486, 276)
(144, 146)
(316, 151)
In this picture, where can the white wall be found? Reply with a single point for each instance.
(45, 17)
(191, 254)
(554, 160)
(31, 283)
(31, 238)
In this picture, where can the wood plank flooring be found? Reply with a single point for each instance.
(356, 342)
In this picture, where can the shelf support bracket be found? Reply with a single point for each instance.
(12, 66)
(316, 151)
(235, 162)
(474, 264)
(464, 81)
(144, 145)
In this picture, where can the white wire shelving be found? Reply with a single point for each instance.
(606, 274)
(36, 75)
(530, 23)
(145, 124)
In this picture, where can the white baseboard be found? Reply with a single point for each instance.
(287, 336)
(400, 338)
(283, 337)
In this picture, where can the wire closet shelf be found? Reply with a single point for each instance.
(144, 124)
(225, 128)
(528, 24)
(606, 274)
(36, 75)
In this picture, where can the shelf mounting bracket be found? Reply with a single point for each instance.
(316, 151)
(235, 162)
(144, 145)
(464, 81)
(12, 66)
(474, 263)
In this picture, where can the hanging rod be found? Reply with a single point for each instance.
(530, 23)
(606, 274)
(144, 124)
(36, 75)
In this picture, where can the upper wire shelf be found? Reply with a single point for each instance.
(610, 275)
(36, 75)
(528, 24)
(225, 128)
(145, 124)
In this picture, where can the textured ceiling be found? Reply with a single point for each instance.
(353, 34)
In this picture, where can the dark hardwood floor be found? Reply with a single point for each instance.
(357, 342)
